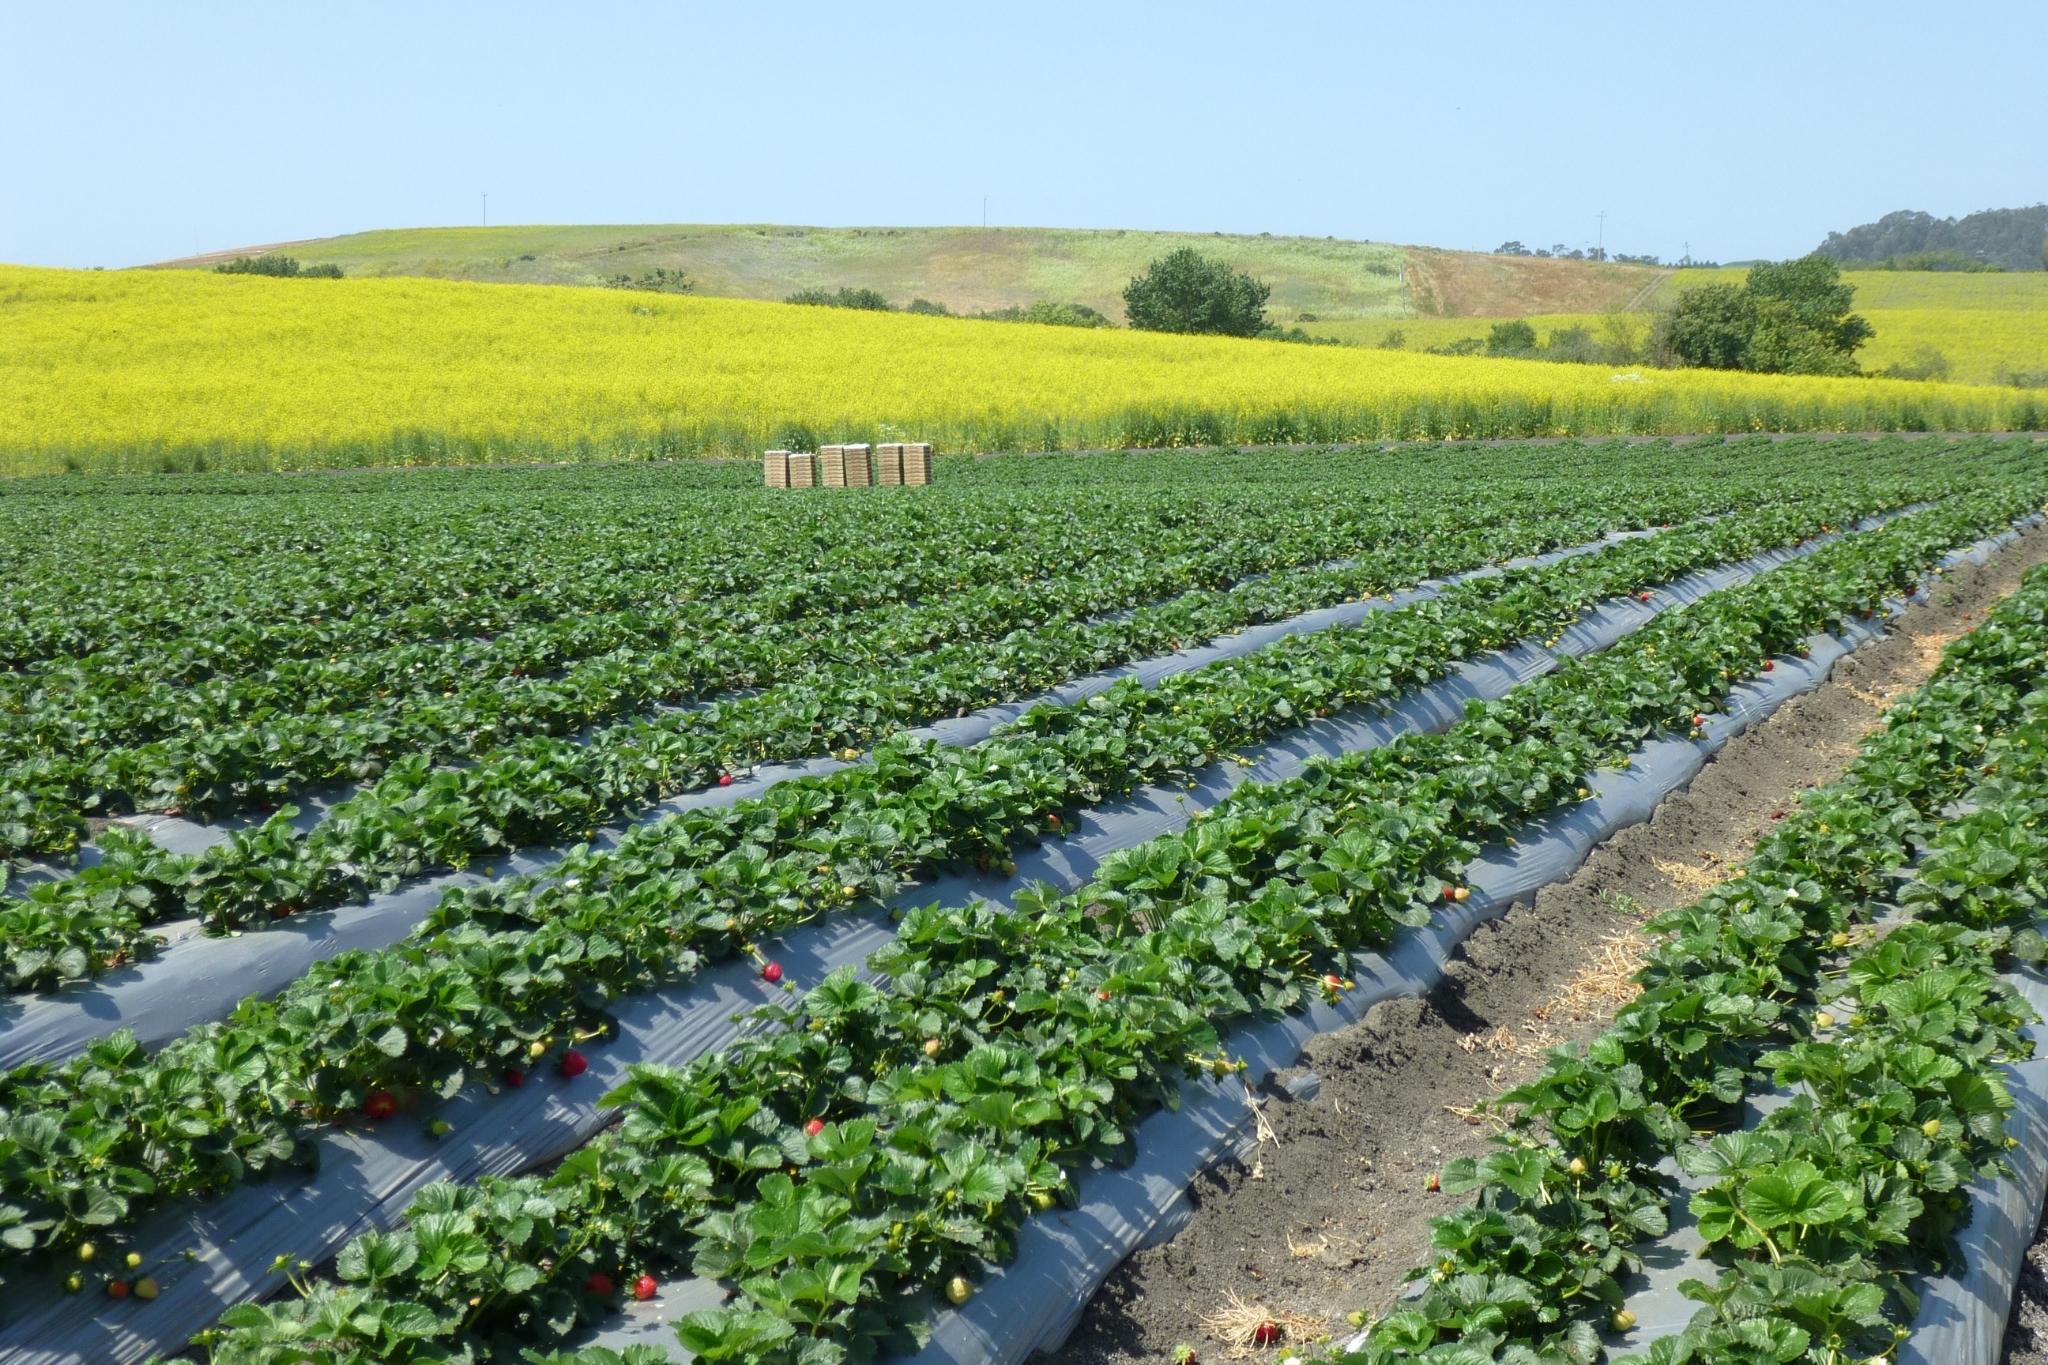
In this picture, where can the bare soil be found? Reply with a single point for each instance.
(2026, 1331)
(1466, 284)
(1329, 1214)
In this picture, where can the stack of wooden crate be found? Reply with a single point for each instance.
(892, 465)
(832, 466)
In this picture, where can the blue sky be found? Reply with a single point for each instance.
(138, 132)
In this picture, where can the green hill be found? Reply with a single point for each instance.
(1989, 327)
(973, 269)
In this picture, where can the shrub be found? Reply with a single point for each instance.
(660, 280)
(1297, 335)
(1511, 338)
(1574, 345)
(845, 297)
(926, 308)
(276, 264)
(1049, 315)
(1925, 363)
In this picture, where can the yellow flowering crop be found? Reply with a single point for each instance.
(169, 369)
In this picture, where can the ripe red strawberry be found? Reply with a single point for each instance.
(117, 1289)
(380, 1105)
(725, 779)
(644, 1288)
(1266, 1334)
(772, 973)
(514, 1078)
(599, 1284)
(1698, 719)
(573, 1064)
(1102, 995)
(814, 1127)
(1770, 664)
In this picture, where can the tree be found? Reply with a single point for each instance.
(2016, 239)
(1511, 249)
(1808, 293)
(1185, 291)
(1789, 317)
(1711, 326)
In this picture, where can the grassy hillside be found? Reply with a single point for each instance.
(967, 269)
(1989, 291)
(168, 369)
(1991, 328)
(973, 269)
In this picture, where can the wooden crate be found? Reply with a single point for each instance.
(889, 464)
(832, 466)
(857, 470)
(803, 471)
(917, 462)
(775, 469)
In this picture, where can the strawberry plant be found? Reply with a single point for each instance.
(1063, 1023)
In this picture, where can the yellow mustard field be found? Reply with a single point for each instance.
(171, 369)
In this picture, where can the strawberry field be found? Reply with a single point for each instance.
(620, 914)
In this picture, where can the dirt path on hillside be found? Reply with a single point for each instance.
(1331, 1213)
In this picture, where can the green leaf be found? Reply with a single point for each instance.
(1794, 1194)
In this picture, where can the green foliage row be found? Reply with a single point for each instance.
(900, 1133)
